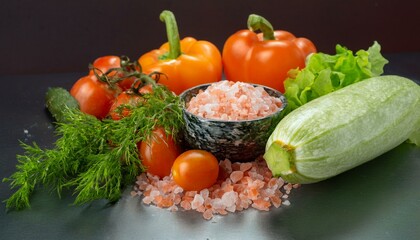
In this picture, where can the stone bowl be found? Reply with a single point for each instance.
(238, 141)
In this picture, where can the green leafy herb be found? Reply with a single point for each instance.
(327, 73)
(94, 158)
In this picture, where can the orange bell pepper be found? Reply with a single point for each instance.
(264, 58)
(184, 63)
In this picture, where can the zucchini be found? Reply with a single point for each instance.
(344, 129)
(57, 101)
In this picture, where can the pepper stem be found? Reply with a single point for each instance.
(256, 22)
(173, 35)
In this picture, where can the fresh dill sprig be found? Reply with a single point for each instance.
(94, 158)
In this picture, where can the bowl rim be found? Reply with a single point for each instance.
(281, 96)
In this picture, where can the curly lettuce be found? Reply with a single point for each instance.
(325, 73)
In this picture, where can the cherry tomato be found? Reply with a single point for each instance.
(125, 98)
(117, 111)
(106, 63)
(94, 97)
(159, 153)
(195, 170)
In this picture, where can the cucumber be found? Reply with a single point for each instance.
(344, 129)
(58, 101)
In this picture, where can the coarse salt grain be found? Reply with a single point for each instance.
(254, 189)
(228, 100)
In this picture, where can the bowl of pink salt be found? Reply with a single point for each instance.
(232, 120)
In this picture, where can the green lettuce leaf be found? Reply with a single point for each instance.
(325, 73)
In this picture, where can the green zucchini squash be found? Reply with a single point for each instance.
(344, 129)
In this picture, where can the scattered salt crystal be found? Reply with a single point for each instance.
(204, 193)
(178, 189)
(208, 214)
(244, 185)
(245, 166)
(185, 205)
(147, 200)
(235, 176)
(197, 202)
(229, 198)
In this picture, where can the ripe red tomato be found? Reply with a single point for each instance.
(125, 98)
(117, 111)
(94, 97)
(159, 153)
(195, 170)
(106, 63)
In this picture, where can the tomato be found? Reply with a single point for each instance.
(94, 97)
(106, 63)
(159, 153)
(117, 111)
(195, 170)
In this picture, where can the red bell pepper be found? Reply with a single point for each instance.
(264, 58)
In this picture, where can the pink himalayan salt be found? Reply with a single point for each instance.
(227, 100)
(246, 185)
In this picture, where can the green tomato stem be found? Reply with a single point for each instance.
(256, 22)
(173, 35)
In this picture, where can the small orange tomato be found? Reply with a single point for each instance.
(159, 153)
(195, 170)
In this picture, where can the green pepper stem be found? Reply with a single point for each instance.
(172, 32)
(256, 22)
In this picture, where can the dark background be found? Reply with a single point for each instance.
(51, 36)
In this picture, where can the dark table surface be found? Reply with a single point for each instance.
(378, 200)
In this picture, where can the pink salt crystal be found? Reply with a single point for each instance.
(261, 204)
(154, 193)
(208, 214)
(245, 166)
(178, 189)
(258, 183)
(229, 199)
(173, 208)
(190, 193)
(273, 183)
(222, 211)
(197, 202)
(185, 205)
(226, 165)
(256, 187)
(235, 176)
(176, 198)
(233, 101)
(236, 166)
(276, 201)
(217, 203)
(205, 193)
(147, 200)
(231, 208)
(253, 193)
